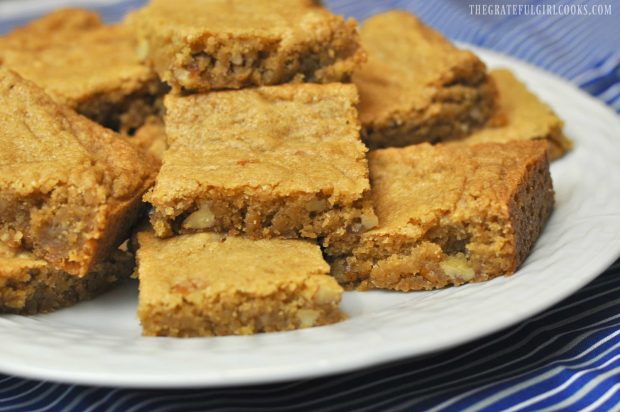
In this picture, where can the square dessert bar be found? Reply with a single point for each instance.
(229, 44)
(450, 214)
(521, 115)
(69, 189)
(276, 161)
(87, 66)
(417, 87)
(29, 285)
(206, 284)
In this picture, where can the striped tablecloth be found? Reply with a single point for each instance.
(567, 358)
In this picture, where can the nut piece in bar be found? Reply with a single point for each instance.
(230, 44)
(207, 284)
(450, 214)
(274, 161)
(70, 190)
(417, 87)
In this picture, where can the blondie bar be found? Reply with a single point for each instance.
(86, 65)
(206, 284)
(151, 138)
(69, 188)
(275, 161)
(417, 87)
(29, 285)
(450, 214)
(224, 44)
(521, 115)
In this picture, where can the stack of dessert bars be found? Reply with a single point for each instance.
(244, 128)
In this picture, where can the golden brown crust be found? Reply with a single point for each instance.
(522, 116)
(272, 161)
(206, 284)
(151, 138)
(450, 214)
(416, 86)
(56, 27)
(29, 285)
(69, 189)
(226, 44)
(86, 65)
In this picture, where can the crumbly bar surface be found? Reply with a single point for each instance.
(277, 161)
(229, 44)
(69, 188)
(521, 115)
(450, 215)
(86, 65)
(416, 86)
(151, 138)
(206, 284)
(29, 285)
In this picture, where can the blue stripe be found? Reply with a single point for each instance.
(566, 45)
(562, 371)
(402, 386)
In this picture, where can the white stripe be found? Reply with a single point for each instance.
(601, 400)
(80, 397)
(610, 93)
(591, 62)
(518, 40)
(158, 400)
(587, 56)
(585, 389)
(531, 45)
(126, 397)
(102, 400)
(578, 39)
(608, 66)
(200, 406)
(545, 395)
(615, 100)
(521, 385)
(552, 372)
(615, 408)
(56, 401)
(209, 401)
(34, 388)
(599, 283)
(18, 384)
(287, 388)
(478, 349)
(450, 383)
(331, 383)
(51, 389)
(441, 15)
(448, 16)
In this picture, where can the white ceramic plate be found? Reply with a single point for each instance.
(99, 342)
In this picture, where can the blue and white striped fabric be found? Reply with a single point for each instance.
(567, 358)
